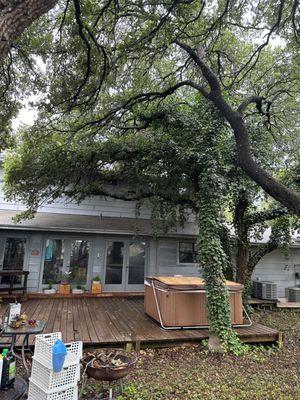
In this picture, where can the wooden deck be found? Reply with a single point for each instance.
(283, 303)
(280, 303)
(262, 303)
(117, 321)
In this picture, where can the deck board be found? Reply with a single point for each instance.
(287, 304)
(117, 321)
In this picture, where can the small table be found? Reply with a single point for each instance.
(26, 331)
(16, 392)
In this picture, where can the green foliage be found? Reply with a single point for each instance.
(211, 255)
(158, 165)
(97, 278)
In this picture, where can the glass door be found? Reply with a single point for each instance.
(114, 268)
(136, 266)
(53, 261)
(66, 255)
(125, 265)
(79, 262)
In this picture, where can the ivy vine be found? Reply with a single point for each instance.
(212, 258)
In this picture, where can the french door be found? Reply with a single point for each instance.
(66, 255)
(125, 265)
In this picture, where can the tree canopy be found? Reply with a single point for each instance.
(104, 60)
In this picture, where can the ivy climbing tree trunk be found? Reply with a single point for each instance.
(212, 258)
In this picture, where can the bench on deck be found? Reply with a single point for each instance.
(14, 274)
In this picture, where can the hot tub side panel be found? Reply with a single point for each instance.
(165, 303)
(187, 309)
(236, 305)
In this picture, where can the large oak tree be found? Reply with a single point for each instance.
(106, 60)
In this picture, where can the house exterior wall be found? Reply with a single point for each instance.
(167, 260)
(95, 206)
(162, 255)
(276, 267)
(162, 259)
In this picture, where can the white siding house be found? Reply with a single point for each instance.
(278, 268)
(102, 236)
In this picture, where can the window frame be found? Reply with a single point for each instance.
(178, 253)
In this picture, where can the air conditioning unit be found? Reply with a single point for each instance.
(265, 290)
(294, 294)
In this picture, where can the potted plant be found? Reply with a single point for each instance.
(65, 287)
(49, 289)
(96, 285)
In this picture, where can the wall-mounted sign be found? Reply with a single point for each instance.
(35, 252)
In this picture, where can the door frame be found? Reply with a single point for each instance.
(3, 238)
(124, 286)
(67, 256)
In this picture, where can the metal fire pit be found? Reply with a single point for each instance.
(110, 373)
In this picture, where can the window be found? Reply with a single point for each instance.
(14, 254)
(187, 253)
(136, 273)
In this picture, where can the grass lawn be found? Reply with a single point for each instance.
(190, 373)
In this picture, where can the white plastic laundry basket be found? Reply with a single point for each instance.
(51, 381)
(43, 349)
(36, 393)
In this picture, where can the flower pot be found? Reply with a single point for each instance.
(77, 291)
(96, 287)
(49, 291)
(64, 288)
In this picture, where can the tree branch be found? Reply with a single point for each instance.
(88, 69)
(198, 56)
(277, 190)
(140, 98)
(258, 254)
(263, 216)
(251, 99)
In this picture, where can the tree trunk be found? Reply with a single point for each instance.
(277, 190)
(242, 259)
(242, 256)
(211, 255)
(14, 19)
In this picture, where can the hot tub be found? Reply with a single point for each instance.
(181, 301)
